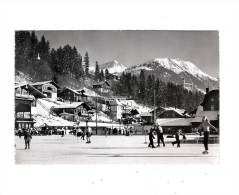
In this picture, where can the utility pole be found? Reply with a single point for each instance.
(154, 108)
(96, 127)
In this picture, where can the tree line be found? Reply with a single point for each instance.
(35, 57)
(152, 91)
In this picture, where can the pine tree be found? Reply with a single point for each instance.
(97, 71)
(102, 77)
(141, 86)
(87, 63)
(107, 75)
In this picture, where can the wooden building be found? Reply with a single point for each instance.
(209, 107)
(48, 88)
(76, 111)
(173, 113)
(102, 87)
(68, 94)
(23, 115)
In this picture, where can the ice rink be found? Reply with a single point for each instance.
(109, 150)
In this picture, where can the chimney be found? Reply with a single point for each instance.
(207, 90)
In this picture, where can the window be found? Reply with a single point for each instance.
(212, 108)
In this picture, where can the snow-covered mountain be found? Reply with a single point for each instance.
(175, 70)
(114, 67)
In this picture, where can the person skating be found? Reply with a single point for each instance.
(177, 141)
(151, 138)
(205, 127)
(27, 138)
(88, 135)
(159, 131)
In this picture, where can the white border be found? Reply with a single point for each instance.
(119, 179)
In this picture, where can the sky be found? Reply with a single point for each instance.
(136, 47)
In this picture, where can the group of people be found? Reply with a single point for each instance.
(159, 132)
(27, 134)
(204, 128)
(82, 133)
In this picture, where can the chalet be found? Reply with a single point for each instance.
(171, 125)
(116, 109)
(23, 116)
(83, 97)
(69, 94)
(173, 113)
(147, 118)
(159, 110)
(48, 88)
(102, 87)
(209, 107)
(73, 112)
(173, 119)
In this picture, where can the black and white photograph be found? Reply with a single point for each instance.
(117, 96)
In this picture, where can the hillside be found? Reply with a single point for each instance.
(175, 70)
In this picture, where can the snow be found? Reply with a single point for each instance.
(140, 107)
(113, 67)
(50, 120)
(21, 78)
(101, 117)
(174, 121)
(178, 66)
(211, 115)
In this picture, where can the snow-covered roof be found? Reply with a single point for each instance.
(24, 96)
(45, 82)
(72, 105)
(74, 91)
(145, 114)
(174, 121)
(211, 115)
(50, 120)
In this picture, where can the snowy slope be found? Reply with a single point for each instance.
(178, 66)
(175, 70)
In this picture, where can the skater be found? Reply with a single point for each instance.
(205, 127)
(88, 135)
(178, 133)
(151, 138)
(82, 134)
(27, 138)
(20, 133)
(159, 131)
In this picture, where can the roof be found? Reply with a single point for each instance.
(178, 111)
(35, 92)
(101, 83)
(45, 82)
(211, 115)
(215, 91)
(51, 121)
(74, 91)
(72, 105)
(24, 97)
(169, 122)
(146, 114)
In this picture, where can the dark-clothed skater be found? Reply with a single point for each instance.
(151, 138)
(27, 138)
(159, 131)
(178, 133)
(205, 126)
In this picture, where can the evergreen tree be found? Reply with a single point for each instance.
(141, 86)
(87, 63)
(102, 76)
(107, 75)
(97, 71)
